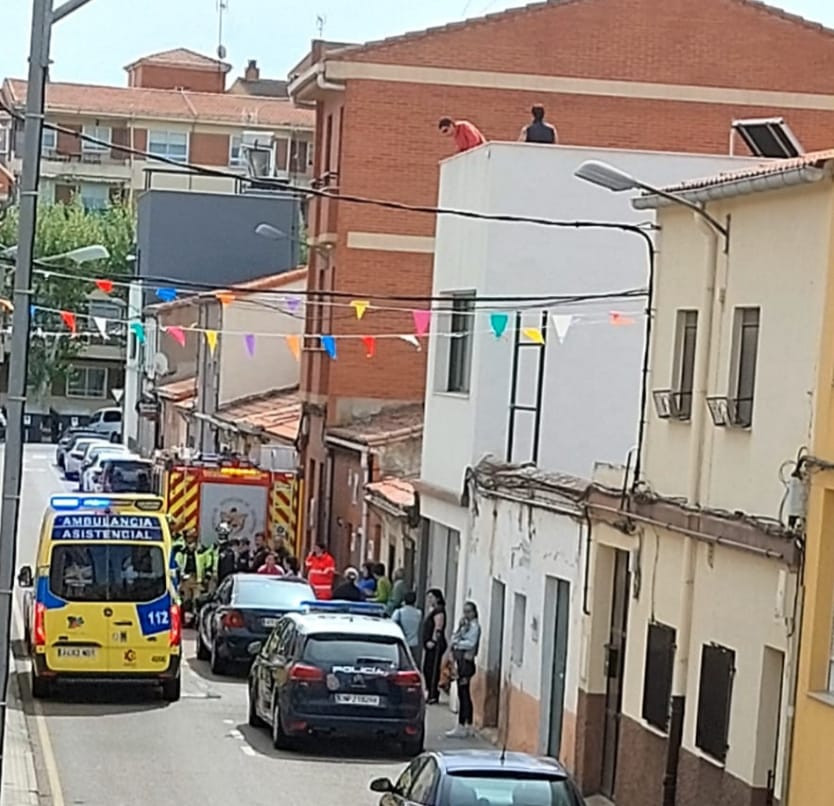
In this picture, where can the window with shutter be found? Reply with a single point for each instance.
(714, 700)
(657, 676)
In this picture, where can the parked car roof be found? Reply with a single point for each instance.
(473, 761)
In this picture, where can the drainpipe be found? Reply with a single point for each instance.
(687, 583)
(367, 471)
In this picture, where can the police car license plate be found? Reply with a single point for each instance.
(76, 652)
(357, 699)
(269, 622)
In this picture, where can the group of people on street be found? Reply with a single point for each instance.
(467, 135)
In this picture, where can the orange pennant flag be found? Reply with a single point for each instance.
(294, 343)
(225, 297)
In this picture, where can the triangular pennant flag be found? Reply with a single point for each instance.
(360, 306)
(370, 346)
(617, 318)
(498, 323)
(211, 340)
(6, 305)
(104, 285)
(101, 323)
(177, 334)
(294, 343)
(329, 344)
(138, 329)
(421, 321)
(534, 334)
(69, 320)
(293, 304)
(562, 323)
(412, 340)
(166, 294)
(249, 342)
(225, 297)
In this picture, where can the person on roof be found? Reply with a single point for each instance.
(465, 134)
(321, 568)
(538, 131)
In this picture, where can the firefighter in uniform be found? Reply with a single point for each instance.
(192, 561)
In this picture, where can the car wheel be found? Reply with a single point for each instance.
(280, 740)
(202, 650)
(413, 747)
(217, 664)
(171, 689)
(254, 720)
(41, 687)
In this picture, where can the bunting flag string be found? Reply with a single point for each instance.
(562, 323)
(166, 294)
(138, 330)
(104, 285)
(294, 343)
(412, 340)
(294, 304)
(225, 297)
(211, 340)
(360, 306)
(619, 318)
(421, 321)
(101, 325)
(533, 334)
(249, 343)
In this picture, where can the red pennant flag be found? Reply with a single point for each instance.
(370, 346)
(104, 285)
(617, 318)
(69, 320)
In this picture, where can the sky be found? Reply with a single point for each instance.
(95, 43)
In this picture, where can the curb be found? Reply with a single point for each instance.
(20, 782)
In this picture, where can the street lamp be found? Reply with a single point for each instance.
(44, 16)
(611, 178)
(84, 254)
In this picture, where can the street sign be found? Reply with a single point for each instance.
(118, 394)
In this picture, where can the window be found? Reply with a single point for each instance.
(236, 158)
(684, 366)
(49, 140)
(298, 156)
(409, 773)
(327, 649)
(95, 195)
(714, 698)
(519, 624)
(657, 677)
(173, 145)
(508, 787)
(423, 786)
(455, 328)
(100, 133)
(743, 365)
(87, 382)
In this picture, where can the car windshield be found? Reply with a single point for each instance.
(107, 572)
(125, 476)
(272, 593)
(335, 649)
(501, 789)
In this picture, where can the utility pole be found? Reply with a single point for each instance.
(43, 18)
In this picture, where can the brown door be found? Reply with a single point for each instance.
(614, 665)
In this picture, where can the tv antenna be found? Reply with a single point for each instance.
(321, 20)
(222, 8)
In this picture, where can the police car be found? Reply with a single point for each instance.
(340, 669)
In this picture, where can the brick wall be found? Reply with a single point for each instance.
(168, 78)
(209, 149)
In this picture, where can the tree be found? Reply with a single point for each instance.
(62, 228)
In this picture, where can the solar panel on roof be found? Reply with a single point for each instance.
(771, 138)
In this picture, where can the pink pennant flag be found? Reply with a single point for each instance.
(421, 321)
(616, 318)
(177, 334)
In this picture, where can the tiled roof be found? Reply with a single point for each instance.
(136, 102)
(388, 425)
(182, 57)
(410, 36)
(277, 412)
(267, 87)
(396, 491)
(814, 159)
(179, 391)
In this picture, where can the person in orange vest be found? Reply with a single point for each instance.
(321, 568)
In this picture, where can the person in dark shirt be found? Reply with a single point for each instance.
(347, 590)
(244, 556)
(260, 552)
(538, 131)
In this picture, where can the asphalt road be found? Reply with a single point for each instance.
(101, 746)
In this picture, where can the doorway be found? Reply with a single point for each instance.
(557, 619)
(495, 653)
(450, 581)
(614, 666)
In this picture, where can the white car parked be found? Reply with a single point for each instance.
(96, 454)
(75, 458)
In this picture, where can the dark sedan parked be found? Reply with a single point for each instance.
(242, 611)
(480, 778)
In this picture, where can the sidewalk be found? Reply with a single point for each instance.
(439, 719)
(20, 786)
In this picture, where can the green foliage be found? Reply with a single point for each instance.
(62, 228)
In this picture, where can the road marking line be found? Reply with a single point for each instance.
(245, 748)
(235, 734)
(228, 722)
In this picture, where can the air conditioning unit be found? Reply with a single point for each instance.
(258, 149)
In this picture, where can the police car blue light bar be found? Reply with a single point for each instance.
(66, 502)
(344, 606)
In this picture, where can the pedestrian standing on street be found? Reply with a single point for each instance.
(347, 590)
(321, 568)
(291, 568)
(410, 617)
(367, 581)
(398, 592)
(464, 644)
(383, 585)
(260, 552)
(244, 556)
(434, 642)
(271, 567)
(538, 131)
(466, 134)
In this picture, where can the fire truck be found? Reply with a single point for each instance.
(204, 491)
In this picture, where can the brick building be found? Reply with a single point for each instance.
(665, 75)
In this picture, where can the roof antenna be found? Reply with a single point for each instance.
(320, 22)
(222, 7)
(503, 757)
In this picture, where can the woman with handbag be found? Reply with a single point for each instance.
(464, 645)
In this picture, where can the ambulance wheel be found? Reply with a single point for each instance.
(202, 650)
(216, 663)
(41, 687)
(171, 689)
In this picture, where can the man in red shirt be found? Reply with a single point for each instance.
(466, 134)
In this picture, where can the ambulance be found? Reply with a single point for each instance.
(101, 603)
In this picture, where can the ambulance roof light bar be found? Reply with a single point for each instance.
(70, 502)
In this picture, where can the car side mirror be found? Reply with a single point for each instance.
(25, 577)
(382, 785)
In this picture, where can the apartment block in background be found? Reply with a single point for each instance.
(377, 106)
(175, 105)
